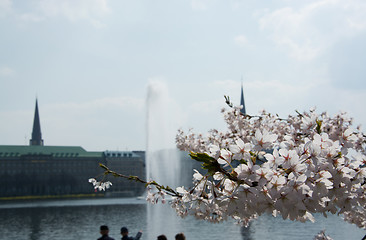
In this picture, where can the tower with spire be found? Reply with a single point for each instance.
(36, 132)
(242, 103)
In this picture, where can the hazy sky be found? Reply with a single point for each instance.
(90, 63)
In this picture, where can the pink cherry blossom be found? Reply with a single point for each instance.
(292, 168)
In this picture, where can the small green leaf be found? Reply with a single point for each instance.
(209, 163)
(319, 126)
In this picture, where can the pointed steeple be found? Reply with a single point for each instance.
(36, 133)
(242, 103)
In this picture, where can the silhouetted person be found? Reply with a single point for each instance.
(180, 236)
(104, 232)
(162, 237)
(124, 233)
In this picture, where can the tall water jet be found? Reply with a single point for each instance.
(162, 158)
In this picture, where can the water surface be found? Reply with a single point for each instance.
(80, 219)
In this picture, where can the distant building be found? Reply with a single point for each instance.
(129, 164)
(38, 171)
(47, 170)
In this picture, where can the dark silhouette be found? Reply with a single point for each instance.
(104, 230)
(36, 133)
(180, 236)
(162, 237)
(124, 233)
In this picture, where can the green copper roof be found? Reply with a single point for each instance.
(55, 151)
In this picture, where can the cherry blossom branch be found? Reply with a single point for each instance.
(168, 190)
(294, 167)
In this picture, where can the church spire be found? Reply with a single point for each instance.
(36, 133)
(242, 103)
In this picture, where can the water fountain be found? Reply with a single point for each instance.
(162, 158)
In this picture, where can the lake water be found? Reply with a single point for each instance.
(80, 219)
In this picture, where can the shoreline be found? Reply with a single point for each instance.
(69, 202)
(41, 197)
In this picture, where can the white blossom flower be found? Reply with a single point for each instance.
(240, 149)
(264, 175)
(263, 139)
(214, 151)
(101, 186)
(225, 157)
(313, 163)
(247, 172)
(197, 176)
(308, 121)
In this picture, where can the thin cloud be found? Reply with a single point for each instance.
(108, 120)
(209, 110)
(206, 106)
(118, 103)
(75, 10)
(307, 32)
(21, 132)
(91, 11)
(5, 7)
(6, 71)
(241, 40)
(199, 5)
(227, 84)
(30, 17)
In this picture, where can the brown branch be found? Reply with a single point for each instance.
(168, 190)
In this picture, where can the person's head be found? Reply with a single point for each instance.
(162, 237)
(124, 231)
(104, 230)
(180, 236)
